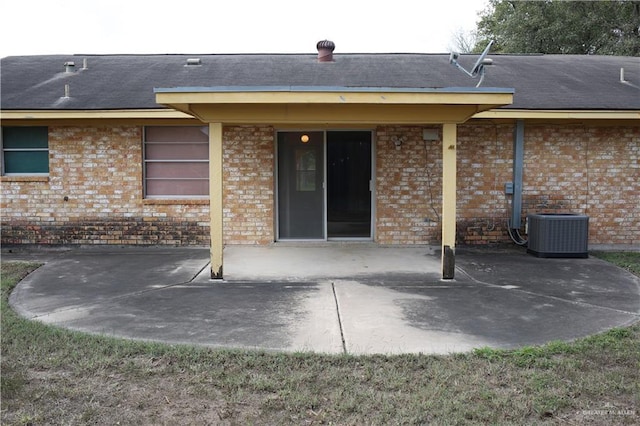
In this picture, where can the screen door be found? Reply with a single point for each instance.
(301, 185)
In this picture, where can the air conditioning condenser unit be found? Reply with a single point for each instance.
(558, 235)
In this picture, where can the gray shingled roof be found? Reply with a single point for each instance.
(128, 81)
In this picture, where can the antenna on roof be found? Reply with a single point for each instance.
(478, 67)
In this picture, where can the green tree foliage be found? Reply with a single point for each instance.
(565, 27)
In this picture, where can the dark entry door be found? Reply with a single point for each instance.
(348, 184)
(301, 185)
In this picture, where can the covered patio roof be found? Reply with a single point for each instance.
(332, 105)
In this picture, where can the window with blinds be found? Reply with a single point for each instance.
(176, 162)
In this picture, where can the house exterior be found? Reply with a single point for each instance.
(397, 149)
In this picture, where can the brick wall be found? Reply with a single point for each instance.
(568, 168)
(588, 169)
(408, 187)
(93, 195)
(485, 153)
(592, 170)
(248, 187)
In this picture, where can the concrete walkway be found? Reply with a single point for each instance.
(333, 298)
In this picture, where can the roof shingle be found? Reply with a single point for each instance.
(128, 81)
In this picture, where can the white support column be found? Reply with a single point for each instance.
(215, 194)
(449, 140)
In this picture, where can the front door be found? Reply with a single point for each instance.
(318, 199)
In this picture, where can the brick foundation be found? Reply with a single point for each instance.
(139, 231)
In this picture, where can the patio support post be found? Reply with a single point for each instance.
(449, 137)
(215, 204)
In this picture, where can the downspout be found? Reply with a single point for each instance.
(516, 200)
(518, 164)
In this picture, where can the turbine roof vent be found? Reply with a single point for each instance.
(325, 50)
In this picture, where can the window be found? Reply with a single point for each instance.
(176, 162)
(25, 150)
(305, 169)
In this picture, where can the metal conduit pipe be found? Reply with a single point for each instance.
(516, 200)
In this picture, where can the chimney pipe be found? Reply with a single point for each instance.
(325, 50)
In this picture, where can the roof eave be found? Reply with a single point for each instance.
(333, 95)
(567, 114)
(337, 105)
(52, 114)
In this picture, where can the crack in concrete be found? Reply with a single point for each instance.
(335, 297)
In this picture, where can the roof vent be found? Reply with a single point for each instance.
(325, 50)
(69, 66)
(192, 62)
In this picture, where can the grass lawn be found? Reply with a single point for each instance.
(55, 376)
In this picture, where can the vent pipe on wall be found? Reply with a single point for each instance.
(325, 50)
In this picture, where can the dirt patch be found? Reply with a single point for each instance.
(62, 397)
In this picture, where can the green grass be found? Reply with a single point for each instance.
(628, 260)
(55, 376)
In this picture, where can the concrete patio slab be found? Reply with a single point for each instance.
(358, 299)
(313, 261)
